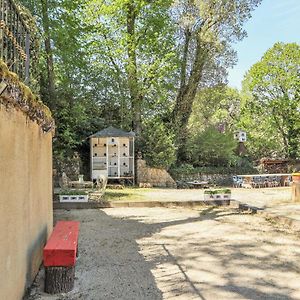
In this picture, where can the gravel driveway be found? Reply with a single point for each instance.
(163, 253)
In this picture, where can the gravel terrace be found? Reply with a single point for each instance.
(164, 253)
(262, 198)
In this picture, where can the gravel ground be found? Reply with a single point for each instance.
(163, 253)
(265, 197)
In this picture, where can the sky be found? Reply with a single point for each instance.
(273, 21)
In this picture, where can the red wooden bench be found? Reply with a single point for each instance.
(59, 257)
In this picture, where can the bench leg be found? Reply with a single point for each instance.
(59, 279)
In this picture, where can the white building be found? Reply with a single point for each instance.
(240, 136)
(112, 154)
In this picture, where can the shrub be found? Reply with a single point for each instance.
(211, 148)
(157, 144)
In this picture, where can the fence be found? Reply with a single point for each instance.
(14, 39)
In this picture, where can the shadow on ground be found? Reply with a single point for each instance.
(158, 253)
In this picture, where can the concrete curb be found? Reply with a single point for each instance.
(114, 204)
(282, 220)
(171, 203)
(80, 205)
(279, 219)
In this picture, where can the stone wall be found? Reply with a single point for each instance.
(25, 200)
(153, 176)
(70, 166)
(213, 179)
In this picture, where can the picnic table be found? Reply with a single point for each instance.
(81, 185)
(198, 184)
(261, 180)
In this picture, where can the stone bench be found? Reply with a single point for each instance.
(59, 257)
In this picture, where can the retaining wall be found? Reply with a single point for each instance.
(25, 200)
(218, 179)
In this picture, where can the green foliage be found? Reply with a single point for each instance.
(215, 106)
(136, 72)
(211, 148)
(215, 114)
(243, 166)
(106, 74)
(73, 192)
(218, 191)
(183, 169)
(207, 28)
(263, 140)
(272, 101)
(158, 144)
(25, 99)
(74, 104)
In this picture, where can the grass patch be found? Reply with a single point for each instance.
(218, 191)
(112, 195)
(73, 192)
(127, 194)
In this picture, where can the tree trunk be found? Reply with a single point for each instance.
(293, 140)
(186, 96)
(59, 279)
(133, 82)
(48, 50)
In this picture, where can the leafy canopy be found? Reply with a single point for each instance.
(271, 89)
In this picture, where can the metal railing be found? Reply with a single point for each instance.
(14, 40)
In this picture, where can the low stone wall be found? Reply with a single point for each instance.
(153, 176)
(70, 166)
(25, 200)
(217, 179)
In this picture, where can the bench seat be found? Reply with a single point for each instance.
(61, 248)
(59, 257)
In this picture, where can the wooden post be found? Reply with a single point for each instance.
(59, 279)
(296, 187)
(295, 192)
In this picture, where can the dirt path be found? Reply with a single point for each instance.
(160, 253)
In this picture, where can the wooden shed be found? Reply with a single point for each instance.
(112, 154)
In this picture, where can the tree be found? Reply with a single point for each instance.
(66, 85)
(158, 144)
(133, 44)
(154, 50)
(130, 61)
(213, 119)
(45, 21)
(207, 30)
(217, 106)
(211, 148)
(273, 85)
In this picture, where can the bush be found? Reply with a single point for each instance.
(72, 192)
(211, 148)
(157, 144)
(218, 191)
(189, 170)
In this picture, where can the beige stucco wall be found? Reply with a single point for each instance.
(25, 200)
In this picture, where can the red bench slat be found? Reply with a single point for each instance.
(61, 248)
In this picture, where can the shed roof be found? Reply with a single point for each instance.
(114, 132)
